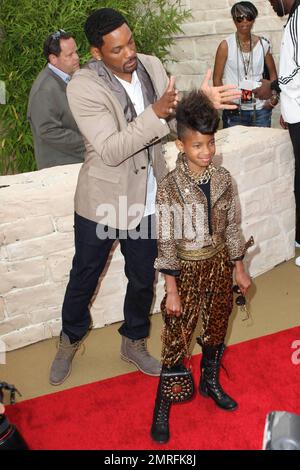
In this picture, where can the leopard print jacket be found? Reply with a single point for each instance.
(182, 216)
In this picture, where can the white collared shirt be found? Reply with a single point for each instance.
(134, 91)
(64, 76)
(289, 70)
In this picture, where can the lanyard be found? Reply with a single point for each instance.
(246, 64)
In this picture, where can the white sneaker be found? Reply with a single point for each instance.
(297, 261)
(297, 245)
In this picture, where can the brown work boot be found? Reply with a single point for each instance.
(62, 364)
(135, 351)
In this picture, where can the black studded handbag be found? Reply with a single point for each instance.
(177, 383)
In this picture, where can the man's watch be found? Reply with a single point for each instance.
(275, 86)
(274, 100)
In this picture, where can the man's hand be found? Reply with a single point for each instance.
(168, 102)
(220, 96)
(264, 92)
(283, 123)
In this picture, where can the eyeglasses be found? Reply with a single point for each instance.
(57, 34)
(241, 18)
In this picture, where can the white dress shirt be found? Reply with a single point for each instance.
(64, 76)
(134, 91)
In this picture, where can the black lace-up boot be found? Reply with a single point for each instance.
(209, 385)
(160, 425)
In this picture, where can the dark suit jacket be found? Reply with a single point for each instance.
(57, 140)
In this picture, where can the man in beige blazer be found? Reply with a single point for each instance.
(122, 102)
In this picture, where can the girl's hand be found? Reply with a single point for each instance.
(243, 280)
(173, 304)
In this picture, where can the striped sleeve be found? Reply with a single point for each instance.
(289, 79)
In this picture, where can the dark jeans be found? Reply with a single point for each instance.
(91, 254)
(246, 118)
(294, 130)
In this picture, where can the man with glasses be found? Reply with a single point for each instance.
(288, 88)
(57, 140)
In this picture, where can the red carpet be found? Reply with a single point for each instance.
(116, 414)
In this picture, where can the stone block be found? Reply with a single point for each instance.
(232, 164)
(258, 160)
(189, 67)
(12, 324)
(266, 228)
(2, 309)
(3, 267)
(273, 24)
(283, 153)
(182, 50)
(256, 203)
(23, 274)
(36, 199)
(3, 254)
(26, 229)
(45, 315)
(270, 254)
(261, 177)
(224, 26)
(286, 220)
(210, 15)
(26, 301)
(213, 5)
(40, 246)
(206, 47)
(188, 82)
(28, 335)
(282, 195)
(198, 29)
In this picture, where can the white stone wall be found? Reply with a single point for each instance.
(36, 233)
(36, 251)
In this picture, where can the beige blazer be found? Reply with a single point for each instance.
(113, 178)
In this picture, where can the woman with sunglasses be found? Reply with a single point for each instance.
(244, 59)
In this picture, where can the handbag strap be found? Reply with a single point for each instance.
(187, 351)
(183, 333)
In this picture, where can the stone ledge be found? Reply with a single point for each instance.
(31, 299)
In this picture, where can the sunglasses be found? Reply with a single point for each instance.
(57, 34)
(240, 301)
(241, 18)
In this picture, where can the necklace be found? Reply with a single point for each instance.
(204, 177)
(247, 57)
(198, 178)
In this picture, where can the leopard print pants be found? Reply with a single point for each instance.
(205, 288)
